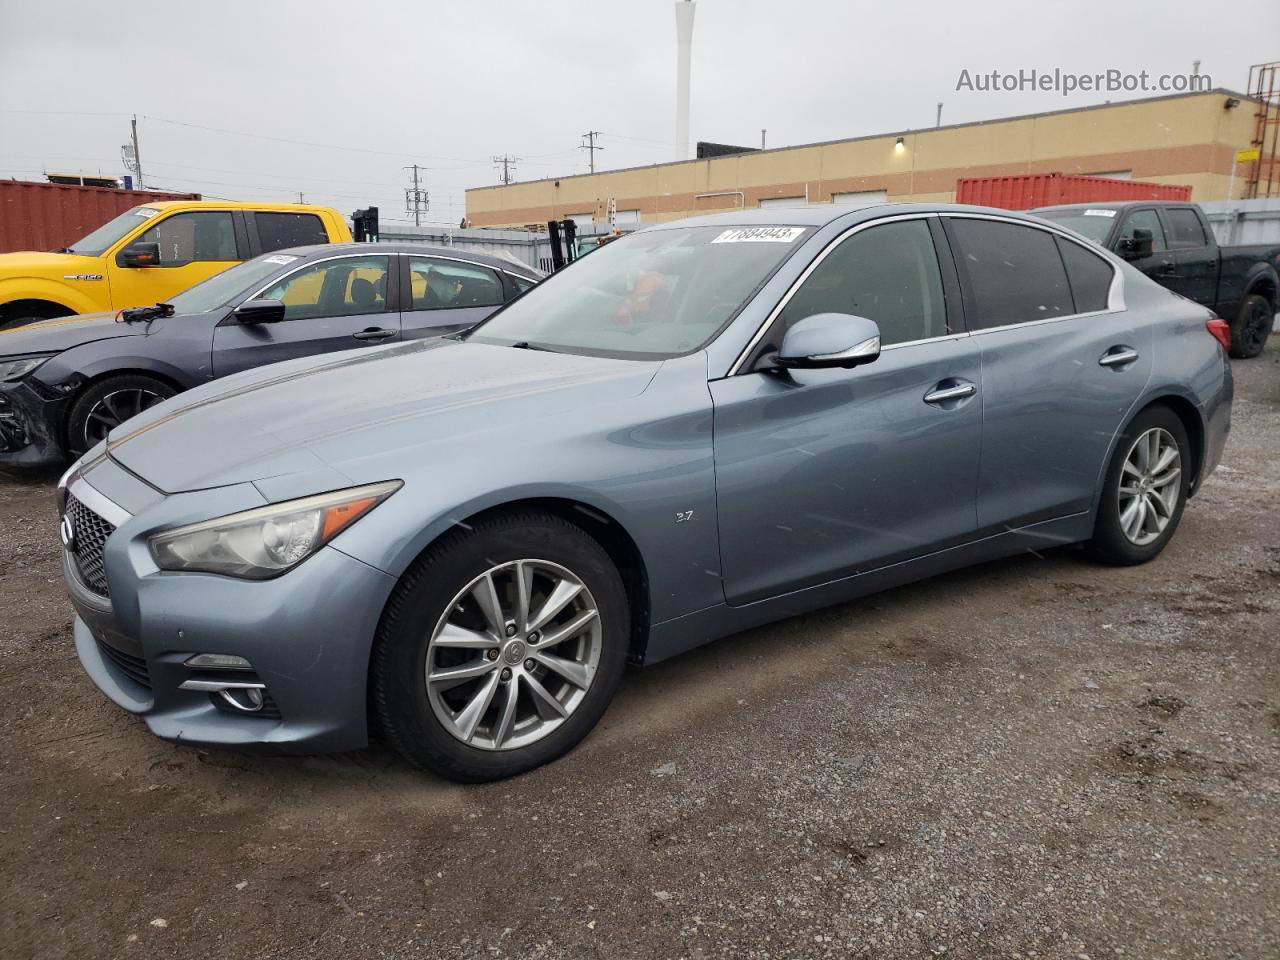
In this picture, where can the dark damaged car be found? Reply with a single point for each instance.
(65, 383)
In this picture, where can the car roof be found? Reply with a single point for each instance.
(422, 249)
(1114, 205)
(821, 214)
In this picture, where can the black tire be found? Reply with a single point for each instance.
(1252, 327)
(87, 422)
(397, 681)
(1110, 543)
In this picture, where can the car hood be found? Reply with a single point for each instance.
(329, 413)
(61, 333)
(17, 264)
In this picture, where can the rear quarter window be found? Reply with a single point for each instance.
(1089, 275)
(278, 231)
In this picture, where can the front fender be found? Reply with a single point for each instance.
(74, 299)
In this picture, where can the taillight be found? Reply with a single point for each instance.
(1219, 330)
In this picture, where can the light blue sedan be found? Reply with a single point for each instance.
(703, 426)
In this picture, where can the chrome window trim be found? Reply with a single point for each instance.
(754, 342)
(1115, 294)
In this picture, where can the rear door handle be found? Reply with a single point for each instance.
(1118, 357)
(374, 333)
(958, 391)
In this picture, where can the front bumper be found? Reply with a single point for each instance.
(307, 634)
(30, 426)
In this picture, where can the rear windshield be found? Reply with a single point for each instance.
(650, 295)
(1094, 222)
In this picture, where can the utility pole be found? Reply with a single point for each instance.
(507, 164)
(938, 122)
(590, 147)
(762, 133)
(137, 155)
(416, 200)
(300, 200)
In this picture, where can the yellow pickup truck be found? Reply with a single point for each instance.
(152, 252)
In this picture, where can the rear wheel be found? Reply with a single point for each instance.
(107, 404)
(1145, 489)
(1252, 327)
(501, 648)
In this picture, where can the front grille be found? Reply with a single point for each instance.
(90, 534)
(135, 668)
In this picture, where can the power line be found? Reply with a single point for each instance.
(508, 165)
(590, 147)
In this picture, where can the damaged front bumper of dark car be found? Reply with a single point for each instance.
(31, 415)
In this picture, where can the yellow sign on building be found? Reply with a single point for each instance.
(1247, 156)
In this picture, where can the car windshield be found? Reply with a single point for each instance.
(220, 290)
(101, 240)
(1094, 223)
(651, 295)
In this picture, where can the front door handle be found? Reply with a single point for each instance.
(1118, 357)
(374, 333)
(957, 391)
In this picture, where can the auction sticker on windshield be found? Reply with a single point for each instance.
(1099, 213)
(280, 258)
(760, 235)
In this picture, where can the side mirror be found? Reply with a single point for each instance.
(260, 311)
(829, 340)
(1138, 247)
(140, 255)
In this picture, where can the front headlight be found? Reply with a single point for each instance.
(16, 369)
(266, 541)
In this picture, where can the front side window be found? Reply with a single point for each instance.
(278, 231)
(438, 284)
(191, 237)
(888, 274)
(1144, 220)
(333, 288)
(653, 294)
(1011, 273)
(1185, 230)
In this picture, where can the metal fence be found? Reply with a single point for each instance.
(1244, 221)
(521, 246)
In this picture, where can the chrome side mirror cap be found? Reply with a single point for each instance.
(829, 340)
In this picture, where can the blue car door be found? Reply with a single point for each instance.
(826, 473)
(339, 303)
(1063, 364)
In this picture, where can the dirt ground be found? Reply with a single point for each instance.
(1033, 758)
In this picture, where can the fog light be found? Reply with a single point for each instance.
(218, 661)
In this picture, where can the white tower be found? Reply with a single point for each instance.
(684, 44)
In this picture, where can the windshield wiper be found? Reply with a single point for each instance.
(140, 314)
(526, 345)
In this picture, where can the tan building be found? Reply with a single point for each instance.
(1184, 139)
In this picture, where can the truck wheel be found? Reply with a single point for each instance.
(1144, 491)
(109, 403)
(501, 648)
(1252, 327)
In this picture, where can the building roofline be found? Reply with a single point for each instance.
(1218, 91)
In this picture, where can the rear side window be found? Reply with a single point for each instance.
(522, 283)
(1012, 274)
(438, 284)
(1090, 277)
(888, 274)
(1184, 229)
(277, 231)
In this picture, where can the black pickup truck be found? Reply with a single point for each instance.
(1173, 244)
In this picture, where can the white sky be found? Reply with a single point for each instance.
(334, 97)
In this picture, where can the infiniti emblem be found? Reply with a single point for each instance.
(67, 530)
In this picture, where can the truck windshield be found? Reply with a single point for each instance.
(98, 242)
(650, 295)
(220, 290)
(1094, 223)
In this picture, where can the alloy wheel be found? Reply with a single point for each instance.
(114, 409)
(1257, 326)
(513, 655)
(1150, 485)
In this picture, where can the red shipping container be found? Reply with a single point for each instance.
(48, 216)
(1051, 189)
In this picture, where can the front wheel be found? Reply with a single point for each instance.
(1252, 327)
(107, 404)
(1145, 489)
(501, 648)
